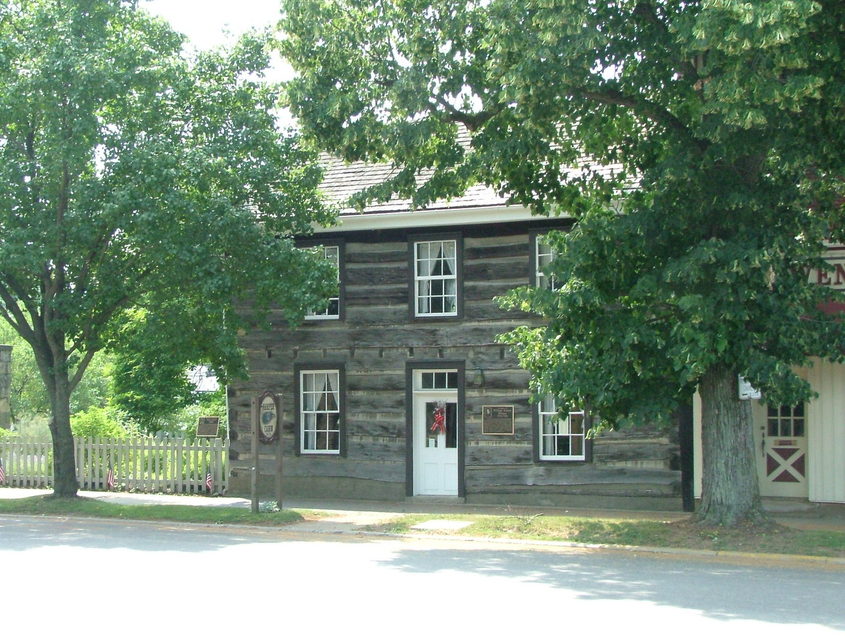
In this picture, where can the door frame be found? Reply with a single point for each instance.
(764, 445)
(452, 365)
(435, 470)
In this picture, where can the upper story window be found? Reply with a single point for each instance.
(562, 437)
(543, 256)
(332, 311)
(436, 265)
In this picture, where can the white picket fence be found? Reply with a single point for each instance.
(138, 464)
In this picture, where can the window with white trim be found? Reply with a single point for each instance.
(544, 255)
(562, 436)
(332, 310)
(435, 380)
(319, 411)
(436, 278)
(786, 421)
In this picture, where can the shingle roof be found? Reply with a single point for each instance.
(342, 180)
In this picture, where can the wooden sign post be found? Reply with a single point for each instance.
(279, 484)
(270, 413)
(266, 414)
(253, 480)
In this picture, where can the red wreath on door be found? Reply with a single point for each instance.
(439, 424)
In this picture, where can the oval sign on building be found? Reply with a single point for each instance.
(268, 418)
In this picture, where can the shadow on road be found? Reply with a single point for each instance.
(33, 533)
(718, 591)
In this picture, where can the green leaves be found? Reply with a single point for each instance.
(137, 182)
(715, 129)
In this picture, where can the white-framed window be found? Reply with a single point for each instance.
(436, 278)
(562, 436)
(438, 380)
(786, 421)
(332, 310)
(544, 255)
(319, 411)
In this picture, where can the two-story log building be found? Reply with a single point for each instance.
(399, 387)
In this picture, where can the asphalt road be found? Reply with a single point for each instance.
(75, 576)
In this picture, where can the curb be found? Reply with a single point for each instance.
(794, 560)
(757, 558)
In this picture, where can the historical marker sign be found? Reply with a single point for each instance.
(497, 420)
(208, 426)
(268, 417)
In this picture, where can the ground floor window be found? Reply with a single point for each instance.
(544, 255)
(319, 411)
(562, 435)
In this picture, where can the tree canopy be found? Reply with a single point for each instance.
(699, 145)
(133, 179)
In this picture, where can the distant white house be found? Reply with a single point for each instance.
(203, 379)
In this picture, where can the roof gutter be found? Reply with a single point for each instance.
(351, 222)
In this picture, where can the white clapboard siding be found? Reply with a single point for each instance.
(826, 433)
(140, 464)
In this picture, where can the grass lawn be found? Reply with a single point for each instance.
(775, 539)
(84, 507)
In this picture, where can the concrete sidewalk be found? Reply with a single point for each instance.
(352, 515)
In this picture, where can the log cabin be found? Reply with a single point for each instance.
(399, 389)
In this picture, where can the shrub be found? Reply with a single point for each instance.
(96, 422)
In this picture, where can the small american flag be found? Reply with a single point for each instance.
(2, 473)
(209, 482)
(110, 478)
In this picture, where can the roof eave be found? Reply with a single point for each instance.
(428, 218)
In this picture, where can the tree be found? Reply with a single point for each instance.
(150, 383)
(132, 177)
(28, 396)
(713, 135)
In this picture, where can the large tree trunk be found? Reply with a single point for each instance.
(65, 483)
(730, 492)
(5, 385)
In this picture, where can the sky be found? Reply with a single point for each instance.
(210, 23)
(206, 22)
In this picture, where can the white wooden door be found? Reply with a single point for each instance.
(781, 438)
(435, 443)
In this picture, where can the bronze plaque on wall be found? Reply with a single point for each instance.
(497, 420)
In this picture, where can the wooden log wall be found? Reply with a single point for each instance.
(374, 344)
